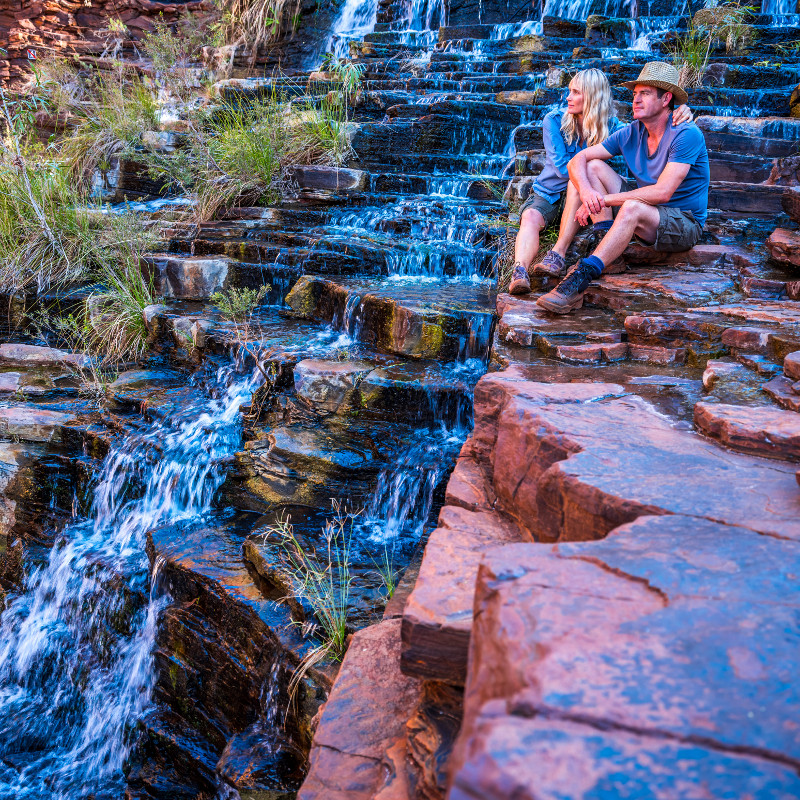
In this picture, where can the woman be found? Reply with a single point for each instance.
(585, 122)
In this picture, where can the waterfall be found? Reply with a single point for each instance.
(76, 644)
(779, 8)
(356, 18)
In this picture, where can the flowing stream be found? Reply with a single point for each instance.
(76, 645)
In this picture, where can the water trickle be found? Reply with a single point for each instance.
(75, 645)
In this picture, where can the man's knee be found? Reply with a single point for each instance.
(634, 209)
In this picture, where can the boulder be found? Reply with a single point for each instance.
(364, 718)
(673, 630)
(329, 386)
(784, 247)
(763, 430)
(193, 278)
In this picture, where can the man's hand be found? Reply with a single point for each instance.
(582, 215)
(592, 200)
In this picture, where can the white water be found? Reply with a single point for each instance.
(75, 646)
(357, 18)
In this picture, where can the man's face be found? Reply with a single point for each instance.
(647, 103)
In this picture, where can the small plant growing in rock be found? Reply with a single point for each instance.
(387, 572)
(324, 581)
(238, 305)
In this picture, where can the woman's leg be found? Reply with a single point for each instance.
(568, 227)
(527, 244)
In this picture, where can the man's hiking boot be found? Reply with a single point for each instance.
(568, 295)
(520, 282)
(552, 265)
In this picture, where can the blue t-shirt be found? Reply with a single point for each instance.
(554, 177)
(683, 144)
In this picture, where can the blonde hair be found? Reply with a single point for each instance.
(596, 91)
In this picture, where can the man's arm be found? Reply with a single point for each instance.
(657, 194)
(579, 175)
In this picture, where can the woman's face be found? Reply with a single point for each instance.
(574, 99)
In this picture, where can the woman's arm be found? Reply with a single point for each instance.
(682, 114)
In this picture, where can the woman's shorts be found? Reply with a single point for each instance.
(550, 211)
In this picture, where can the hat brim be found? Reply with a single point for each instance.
(679, 94)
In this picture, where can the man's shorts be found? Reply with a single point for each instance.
(550, 211)
(678, 230)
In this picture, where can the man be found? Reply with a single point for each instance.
(668, 208)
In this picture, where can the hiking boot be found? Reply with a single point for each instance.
(568, 295)
(520, 282)
(552, 265)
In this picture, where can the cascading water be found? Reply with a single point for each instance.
(75, 646)
(356, 18)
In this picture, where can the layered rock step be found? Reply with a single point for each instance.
(661, 653)
(556, 462)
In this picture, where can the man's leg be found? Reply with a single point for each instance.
(635, 218)
(527, 244)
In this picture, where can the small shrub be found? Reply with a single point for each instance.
(239, 304)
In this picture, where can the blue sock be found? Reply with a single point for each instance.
(602, 227)
(595, 264)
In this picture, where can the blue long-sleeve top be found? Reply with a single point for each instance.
(554, 177)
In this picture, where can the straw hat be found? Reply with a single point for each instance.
(662, 76)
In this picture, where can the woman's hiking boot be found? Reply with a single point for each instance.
(520, 282)
(552, 265)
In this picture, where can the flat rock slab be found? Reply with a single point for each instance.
(437, 619)
(678, 629)
(756, 429)
(364, 717)
(791, 366)
(552, 759)
(681, 287)
(575, 461)
(779, 312)
(33, 424)
(193, 278)
(28, 355)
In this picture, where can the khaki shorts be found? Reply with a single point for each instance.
(550, 211)
(677, 230)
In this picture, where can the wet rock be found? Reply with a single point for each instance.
(431, 733)
(330, 179)
(791, 203)
(756, 429)
(438, 615)
(691, 648)
(301, 466)
(329, 386)
(699, 334)
(28, 355)
(33, 424)
(359, 726)
(657, 355)
(190, 278)
(784, 247)
(780, 313)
